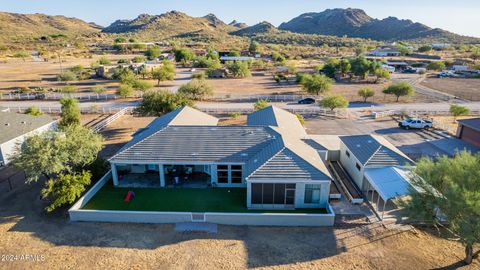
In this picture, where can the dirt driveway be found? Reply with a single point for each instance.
(25, 229)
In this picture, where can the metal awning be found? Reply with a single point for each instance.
(389, 182)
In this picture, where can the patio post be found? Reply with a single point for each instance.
(161, 171)
(114, 174)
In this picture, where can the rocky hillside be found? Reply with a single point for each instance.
(260, 28)
(19, 27)
(356, 23)
(173, 24)
(236, 24)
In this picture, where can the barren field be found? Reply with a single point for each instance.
(463, 88)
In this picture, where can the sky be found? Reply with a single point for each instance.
(458, 16)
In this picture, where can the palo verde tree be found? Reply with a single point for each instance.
(365, 93)
(447, 195)
(196, 89)
(70, 112)
(164, 73)
(239, 69)
(333, 102)
(55, 156)
(157, 103)
(458, 110)
(400, 89)
(183, 55)
(316, 84)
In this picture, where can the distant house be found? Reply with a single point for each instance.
(106, 71)
(399, 66)
(469, 130)
(438, 46)
(224, 59)
(14, 128)
(384, 51)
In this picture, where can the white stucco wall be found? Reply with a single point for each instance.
(7, 149)
(349, 163)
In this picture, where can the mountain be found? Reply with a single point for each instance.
(236, 24)
(173, 24)
(259, 28)
(19, 27)
(356, 23)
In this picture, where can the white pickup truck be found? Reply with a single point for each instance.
(415, 123)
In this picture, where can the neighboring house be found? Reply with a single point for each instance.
(469, 130)
(224, 59)
(267, 156)
(106, 71)
(384, 51)
(399, 66)
(14, 128)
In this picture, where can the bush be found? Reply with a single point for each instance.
(104, 61)
(32, 110)
(68, 89)
(334, 101)
(365, 93)
(99, 89)
(153, 52)
(234, 115)
(157, 103)
(196, 89)
(142, 85)
(300, 118)
(125, 90)
(436, 65)
(67, 76)
(139, 59)
(260, 104)
(400, 89)
(239, 69)
(200, 76)
(316, 84)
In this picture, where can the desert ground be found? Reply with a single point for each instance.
(468, 89)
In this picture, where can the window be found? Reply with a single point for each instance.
(273, 193)
(236, 174)
(257, 191)
(347, 153)
(222, 174)
(279, 195)
(312, 193)
(358, 167)
(267, 193)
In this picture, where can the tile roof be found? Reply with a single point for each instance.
(274, 116)
(372, 151)
(13, 125)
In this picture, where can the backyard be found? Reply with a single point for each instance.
(178, 200)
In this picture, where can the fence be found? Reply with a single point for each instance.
(112, 118)
(83, 110)
(58, 96)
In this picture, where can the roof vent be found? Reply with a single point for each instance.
(370, 141)
(23, 122)
(255, 160)
(287, 158)
(358, 145)
(244, 154)
(194, 154)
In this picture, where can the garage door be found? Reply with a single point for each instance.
(470, 135)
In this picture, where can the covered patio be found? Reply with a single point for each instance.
(160, 175)
(383, 186)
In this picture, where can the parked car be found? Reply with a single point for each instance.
(415, 123)
(306, 101)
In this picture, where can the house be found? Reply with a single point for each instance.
(14, 128)
(267, 156)
(469, 130)
(224, 59)
(384, 51)
(399, 66)
(106, 71)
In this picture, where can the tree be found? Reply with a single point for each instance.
(54, 155)
(332, 67)
(183, 55)
(125, 90)
(32, 110)
(400, 89)
(67, 76)
(436, 65)
(458, 110)
(360, 66)
(365, 93)
(425, 48)
(234, 53)
(334, 101)
(261, 104)
(404, 50)
(253, 47)
(196, 89)
(139, 59)
(239, 69)
(344, 67)
(164, 73)
(143, 86)
(153, 52)
(360, 50)
(277, 57)
(70, 112)
(381, 73)
(104, 61)
(447, 195)
(65, 189)
(316, 84)
(157, 103)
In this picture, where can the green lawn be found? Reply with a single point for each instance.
(179, 200)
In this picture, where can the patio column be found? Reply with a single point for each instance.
(161, 171)
(114, 174)
(213, 174)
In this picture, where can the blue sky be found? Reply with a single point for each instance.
(459, 16)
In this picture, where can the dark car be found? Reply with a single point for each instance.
(306, 101)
